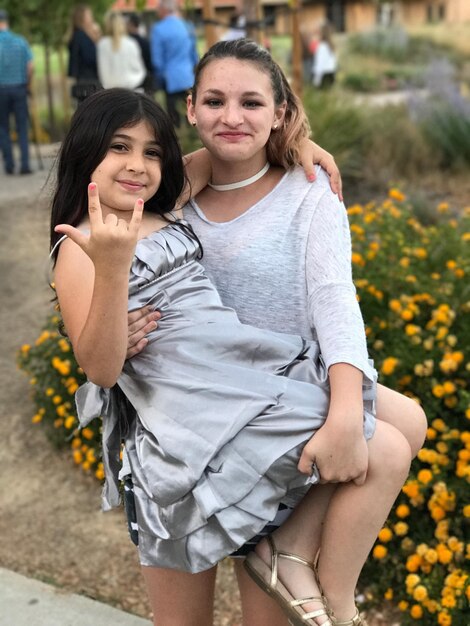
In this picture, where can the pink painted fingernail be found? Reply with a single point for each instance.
(311, 177)
(92, 186)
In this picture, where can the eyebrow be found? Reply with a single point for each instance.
(129, 138)
(217, 92)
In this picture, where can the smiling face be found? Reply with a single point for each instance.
(234, 110)
(131, 169)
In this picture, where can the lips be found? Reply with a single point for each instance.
(131, 185)
(232, 136)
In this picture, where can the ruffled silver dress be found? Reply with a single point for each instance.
(213, 413)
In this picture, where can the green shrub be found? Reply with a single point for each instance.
(412, 282)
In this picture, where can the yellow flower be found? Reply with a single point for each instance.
(413, 562)
(448, 601)
(99, 472)
(395, 305)
(77, 456)
(412, 329)
(416, 611)
(396, 194)
(50, 391)
(438, 391)
(385, 535)
(388, 595)
(466, 510)
(412, 580)
(25, 348)
(69, 422)
(443, 207)
(37, 418)
(425, 476)
(431, 556)
(420, 593)
(402, 511)
(451, 265)
(401, 528)
(379, 552)
(403, 605)
(444, 619)
(87, 433)
(389, 365)
(439, 425)
(357, 259)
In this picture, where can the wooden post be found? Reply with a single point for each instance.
(252, 12)
(297, 79)
(210, 32)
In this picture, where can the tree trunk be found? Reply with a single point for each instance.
(252, 10)
(50, 96)
(210, 32)
(297, 79)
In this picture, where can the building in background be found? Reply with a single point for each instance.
(345, 15)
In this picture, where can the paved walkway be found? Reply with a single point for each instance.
(28, 602)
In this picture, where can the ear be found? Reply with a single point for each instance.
(190, 110)
(279, 115)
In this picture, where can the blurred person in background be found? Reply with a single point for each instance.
(134, 30)
(325, 62)
(16, 69)
(174, 56)
(82, 53)
(120, 62)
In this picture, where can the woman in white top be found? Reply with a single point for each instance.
(324, 60)
(279, 252)
(119, 58)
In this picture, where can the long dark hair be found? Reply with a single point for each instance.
(283, 144)
(86, 144)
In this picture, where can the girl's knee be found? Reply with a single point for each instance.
(418, 426)
(390, 452)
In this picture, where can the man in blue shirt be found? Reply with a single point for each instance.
(16, 69)
(174, 55)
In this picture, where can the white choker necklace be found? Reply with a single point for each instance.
(241, 183)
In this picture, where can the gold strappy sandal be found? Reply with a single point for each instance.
(267, 578)
(357, 620)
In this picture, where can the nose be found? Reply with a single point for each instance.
(232, 115)
(135, 162)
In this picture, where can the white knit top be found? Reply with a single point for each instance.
(285, 264)
(120, 68)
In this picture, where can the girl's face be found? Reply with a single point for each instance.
(234, 110)
(131, 169)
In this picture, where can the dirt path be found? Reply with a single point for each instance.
(50, 516)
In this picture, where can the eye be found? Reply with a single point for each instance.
(252, 104)
(154, 153)
(118, 147)
(213, 102)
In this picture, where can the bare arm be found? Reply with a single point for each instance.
(339, 448)
(92, 276)
(198, 171)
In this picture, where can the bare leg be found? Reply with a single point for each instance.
(258, 609)
(354, 517)
(180, 598)
(405, 414)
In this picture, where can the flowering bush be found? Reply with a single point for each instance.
(55, 376)
(413, 283)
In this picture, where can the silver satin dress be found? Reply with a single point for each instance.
(213, 413)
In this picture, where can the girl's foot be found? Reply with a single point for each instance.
(291, 580)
